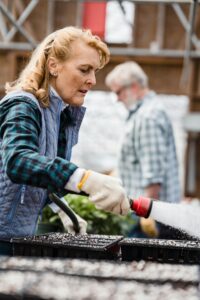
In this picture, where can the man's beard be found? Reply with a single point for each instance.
(130, 100)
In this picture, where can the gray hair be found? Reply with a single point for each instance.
(127, 73)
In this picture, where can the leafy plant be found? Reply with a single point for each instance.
(49, 217)
(99, 222)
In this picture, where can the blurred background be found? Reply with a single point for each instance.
(162, 36)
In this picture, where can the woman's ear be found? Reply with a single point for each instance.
(53, 66)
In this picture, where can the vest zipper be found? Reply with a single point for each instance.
(23, 190)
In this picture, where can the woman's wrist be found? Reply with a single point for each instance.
(74, 180)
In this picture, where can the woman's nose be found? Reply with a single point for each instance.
(92, 78)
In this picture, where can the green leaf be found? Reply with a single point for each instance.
(99, 221)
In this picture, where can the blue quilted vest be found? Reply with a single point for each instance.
(21, 205)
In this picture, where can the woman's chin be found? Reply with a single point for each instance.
(75, 102)
(79, 101)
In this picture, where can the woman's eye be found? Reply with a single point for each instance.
(84, 70)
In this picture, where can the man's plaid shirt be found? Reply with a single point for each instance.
(20, 123)
(148, 153)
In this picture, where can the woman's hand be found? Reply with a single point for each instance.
(68, 225)
(106, 192)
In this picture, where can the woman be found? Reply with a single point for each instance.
(39, 122)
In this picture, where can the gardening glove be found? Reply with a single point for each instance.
(68, 225)
(106, 192)
(148, 226)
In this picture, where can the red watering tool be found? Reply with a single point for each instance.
(141, 206)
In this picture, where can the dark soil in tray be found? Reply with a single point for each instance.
(162, 243)
(170, 251)
(67, 245)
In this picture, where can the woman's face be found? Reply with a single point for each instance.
(76, 76)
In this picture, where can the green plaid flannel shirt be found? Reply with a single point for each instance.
(20, 123)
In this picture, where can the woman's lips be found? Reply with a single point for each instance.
(83, 91)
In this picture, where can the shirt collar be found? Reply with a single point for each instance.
(57, 96)
(72, 113)
(140, 102)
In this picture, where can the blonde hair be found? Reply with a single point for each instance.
(127, 73)
(35, 76)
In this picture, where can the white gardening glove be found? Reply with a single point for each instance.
(68, 225)
(106, 192)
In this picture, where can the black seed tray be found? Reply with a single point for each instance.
(67, 245)
(5, 247)
(165, 251)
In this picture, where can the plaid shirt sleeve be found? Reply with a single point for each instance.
(152, 149)
(20, 123)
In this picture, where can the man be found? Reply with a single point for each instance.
(148, 163)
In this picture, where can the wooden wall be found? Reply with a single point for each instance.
(164, 73)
